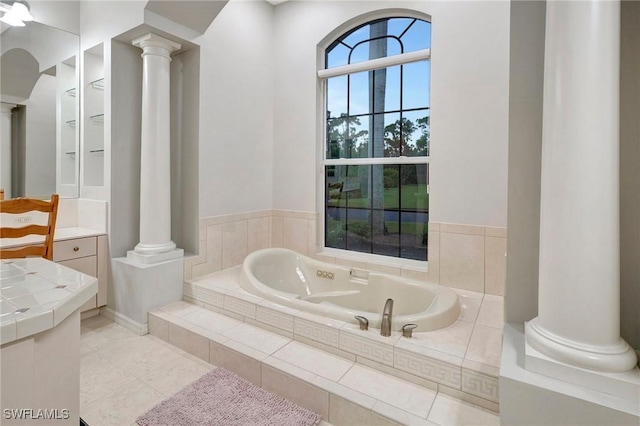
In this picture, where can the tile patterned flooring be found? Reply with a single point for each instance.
(123, 375)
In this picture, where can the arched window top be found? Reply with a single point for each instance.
(378, 39)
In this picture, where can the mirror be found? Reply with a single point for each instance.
(39, 141)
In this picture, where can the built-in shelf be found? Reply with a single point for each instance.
(98, 84)
(71, 92)
(95, 151)
(71, 123)
(98, 118)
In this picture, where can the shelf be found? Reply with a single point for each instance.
(71, 154)
(71, 92)
(98, 84)
(95, 151)
(98, 118)
(71, 123)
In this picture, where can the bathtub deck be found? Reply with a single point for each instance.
(312, 360)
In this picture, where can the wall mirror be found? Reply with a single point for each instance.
(39, 76)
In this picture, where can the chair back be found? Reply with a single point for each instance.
(18, 206)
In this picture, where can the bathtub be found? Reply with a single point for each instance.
(291, 279)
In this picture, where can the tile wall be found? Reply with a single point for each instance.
(467, 257)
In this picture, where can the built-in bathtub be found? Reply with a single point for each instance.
(300, 282)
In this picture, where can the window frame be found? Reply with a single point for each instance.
(324, 74)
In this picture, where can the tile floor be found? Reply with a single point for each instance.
(123, 375)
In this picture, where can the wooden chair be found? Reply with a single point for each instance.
(19, 206)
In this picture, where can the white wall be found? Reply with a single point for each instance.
(469, 84)
(236, 110)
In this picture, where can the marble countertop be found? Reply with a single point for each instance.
(60, 234)
(37, 295)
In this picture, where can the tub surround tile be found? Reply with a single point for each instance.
(462, 261)
(492, 312)
(455, 228)
(449, 411)
(314, 360)
(398, 415)
(478, 367)
(428, 384)
(433, 256)
(354, 395)
(415, 274)
(213, 252)
(274, 318)
(385, 268)
(469, 308)
(480, 385)
(434, 226)
(212, 321)
(350, 262)
(296, 234)
(367, 347)
(272, 329)
(491, 406)
(344, 412)
(239, 306)
(232, 356)
(298, 391)
(452, 340)
(158, 327)
(485, 345)
(234, 243)
(277, 232)
(495, 265)
(256, 338)
(180, 308)
(428, 367)
(406, 396)
(495, 231)
(211, 297)
(326, 348)
(290, 369)
(316, 331)
(258, 234)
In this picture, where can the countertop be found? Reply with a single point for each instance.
(37, 294)
(60, 234)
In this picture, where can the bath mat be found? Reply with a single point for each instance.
(220, 397)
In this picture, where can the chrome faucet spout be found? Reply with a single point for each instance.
(387, 313)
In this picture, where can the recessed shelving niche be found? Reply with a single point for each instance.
(93, 128)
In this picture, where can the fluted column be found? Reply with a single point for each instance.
(5, 149)
(155, 167)
(578, 319)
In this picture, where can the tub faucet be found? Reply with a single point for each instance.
(387, 312)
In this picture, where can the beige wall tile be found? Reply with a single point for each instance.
(495, 231)
(495, 267)
(433, 257)
(304, 394)
(296, 234)
(277, 231)
(179, 336)
(462, 261)
(234, 243)
(258, 234)
(198, 346)
(456, 228)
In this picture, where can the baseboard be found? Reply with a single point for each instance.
(118, 318)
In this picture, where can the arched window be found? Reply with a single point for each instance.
(377, 138)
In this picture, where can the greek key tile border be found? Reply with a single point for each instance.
(480, 385)
(209, 296)
(366, 348)
(428, 368)
(274, 318)
(320, 333)
(238, 306)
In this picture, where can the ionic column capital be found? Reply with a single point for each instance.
(153, 44)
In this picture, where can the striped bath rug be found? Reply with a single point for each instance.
(220, 397)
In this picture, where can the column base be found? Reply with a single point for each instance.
(617, 358)
(135, 256)
(138, 288)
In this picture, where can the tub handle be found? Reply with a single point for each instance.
(407, 330)
(364, 323)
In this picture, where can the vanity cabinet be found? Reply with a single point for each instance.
(90, 256)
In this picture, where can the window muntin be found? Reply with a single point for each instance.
(377, 142)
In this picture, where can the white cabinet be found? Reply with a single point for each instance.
(90, 256)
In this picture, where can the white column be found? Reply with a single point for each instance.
(578, 319)
(5, 149)
(155, 167)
